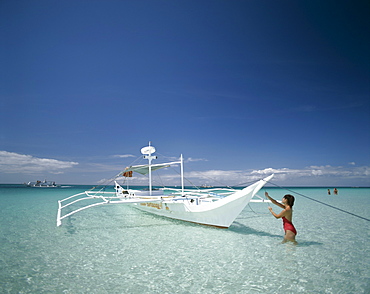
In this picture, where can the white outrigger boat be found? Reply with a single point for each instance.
(214, 207)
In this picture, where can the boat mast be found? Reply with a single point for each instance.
(182, 174)
(150, 170)
(149, 150)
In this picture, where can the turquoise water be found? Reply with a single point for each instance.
(118, 249)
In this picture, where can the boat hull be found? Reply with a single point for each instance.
(173, 211)
(179, 211)
(220, 213)
(211, 209)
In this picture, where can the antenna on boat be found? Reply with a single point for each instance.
(147, 152)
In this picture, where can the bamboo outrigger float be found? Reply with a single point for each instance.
(213, 207)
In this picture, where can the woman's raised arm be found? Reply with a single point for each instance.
(274, 201)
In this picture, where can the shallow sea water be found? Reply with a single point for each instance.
(119, 249)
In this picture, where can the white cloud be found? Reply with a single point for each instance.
(11, 162)
(124, 155)
(190, 159)
(311, 176)
(317, 172)
(221, 177)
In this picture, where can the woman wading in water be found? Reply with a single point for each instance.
(286, 215)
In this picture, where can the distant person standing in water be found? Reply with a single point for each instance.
(328, 191)
(286, 215)
(335, 191)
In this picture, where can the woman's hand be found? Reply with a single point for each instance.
(270, 208)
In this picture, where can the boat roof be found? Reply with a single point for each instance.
(144, 169)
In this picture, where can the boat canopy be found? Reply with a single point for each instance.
(144, 169)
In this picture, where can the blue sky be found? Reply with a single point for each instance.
(241, 88)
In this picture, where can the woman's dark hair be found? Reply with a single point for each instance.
(290, 199)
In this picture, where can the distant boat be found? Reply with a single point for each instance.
(42, 184)
(217, 207)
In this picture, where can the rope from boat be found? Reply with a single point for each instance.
(190, 182)
(323, 203)
(213, 179)
(258, 213)
(250, 182)
(110, 181)
(105, 184)
(185, 179)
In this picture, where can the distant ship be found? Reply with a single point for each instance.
(42, 184)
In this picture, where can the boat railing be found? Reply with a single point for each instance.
(202, 193)
(260, 199)
(104, 196)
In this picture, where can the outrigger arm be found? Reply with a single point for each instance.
(119, 197)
